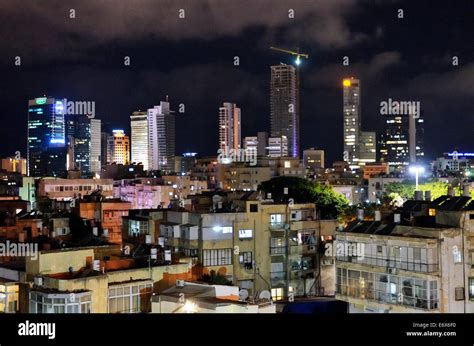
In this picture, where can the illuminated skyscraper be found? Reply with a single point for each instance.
(161, 138)
(284, 106)
(139, 137)
(367, 147)
(402, 141)
(83, 136)
(118, 148)
(46, 147)
(351, 127)
(229, 126)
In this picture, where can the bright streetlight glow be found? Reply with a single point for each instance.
(190, 307)
(416, 170)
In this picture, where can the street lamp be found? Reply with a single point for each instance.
(416, 170)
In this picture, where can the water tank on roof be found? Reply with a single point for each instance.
(96, 265)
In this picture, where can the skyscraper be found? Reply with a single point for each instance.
(46, 147)
(402, 141)
(95, 147)
(139, 137)
(284, 106)
(257, 143)
(104, 149)
(278, 146)
(367, 147)
(83, 136)
(161, 138)
(229, 126)
(352, 126)
(118, 148)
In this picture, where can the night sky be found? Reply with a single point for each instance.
(191, 60)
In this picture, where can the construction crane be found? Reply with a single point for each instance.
(297, 53)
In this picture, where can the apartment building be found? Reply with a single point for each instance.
(261, 247)
(106, 214)
(68, 189)
(95, 280)
(420, 262)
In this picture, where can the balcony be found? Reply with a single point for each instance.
(303, 225)
(303, 249)
(278, 250)
(383, 297)
(389, 263)
(277, 226)
(277, 279)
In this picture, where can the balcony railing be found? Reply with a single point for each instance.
(276, 225)
(390, 263)
(278, 250)
(387, 298)
(303, 249)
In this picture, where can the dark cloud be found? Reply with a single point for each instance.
(98, 22)
(191, 60)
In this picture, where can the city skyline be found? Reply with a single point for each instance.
(387, 68)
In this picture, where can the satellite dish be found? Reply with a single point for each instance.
(265, 295)
(287, 226)
(243, 294)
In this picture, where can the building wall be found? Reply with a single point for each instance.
(57, 261)
(72, 188)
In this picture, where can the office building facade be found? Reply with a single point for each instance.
(139, 137)
(284, 106)
(161, 137)
(402, 141)
(118, 148)
(229, 126)
(46, 147)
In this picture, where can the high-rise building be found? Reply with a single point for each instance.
(118, 148)
(186, 164)
(96, 146)
(161, 137)
(402, 141)
(313, 159)
(14, 164)
(277, 146)
(139, 136)
(367, 147)
(84, 136)
(104, 159)
(284, 106)
(46, 137)
(352, 122)
(229, 126)
(257, 143)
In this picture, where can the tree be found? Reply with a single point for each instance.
(329, 203)
(406, 189)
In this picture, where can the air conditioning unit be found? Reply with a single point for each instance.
(38, 280)
(392, 270)
(179, 283)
